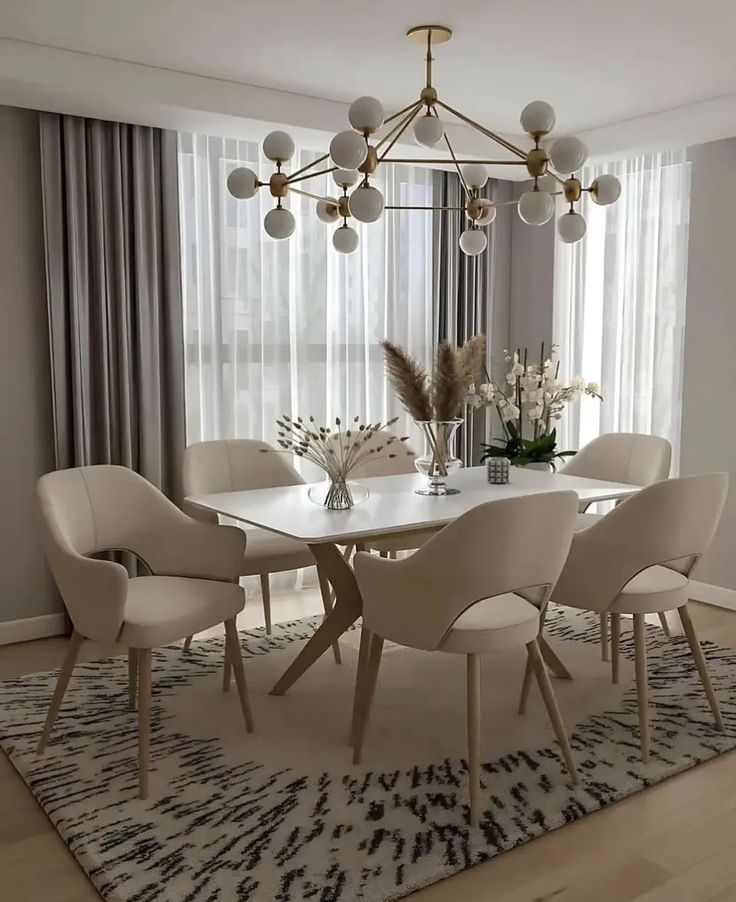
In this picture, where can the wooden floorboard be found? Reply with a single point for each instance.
(671, 843)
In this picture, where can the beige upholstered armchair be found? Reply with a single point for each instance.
(637, 560)
(193, 584)
(479, 586)
(628, 457)
(236, 465)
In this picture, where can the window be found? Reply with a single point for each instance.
(274, 327)
(619, 313)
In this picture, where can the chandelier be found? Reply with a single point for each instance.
(356, 153)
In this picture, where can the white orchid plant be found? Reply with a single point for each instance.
(529, 402)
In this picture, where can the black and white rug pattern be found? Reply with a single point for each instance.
(223, 831)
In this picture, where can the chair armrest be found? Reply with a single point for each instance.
(187, 547)
(93, 592)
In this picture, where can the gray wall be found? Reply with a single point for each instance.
(26, 445)
(532, 280)
(708, 440)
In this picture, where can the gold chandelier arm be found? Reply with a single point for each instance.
(443, 161)
(309, 194)
(402, 207)
(310, 175)
(398, 130)
(321, 159)
(476, 125)
(406, 109)
(457, 168)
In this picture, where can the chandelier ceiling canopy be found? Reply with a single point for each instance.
(356, 153)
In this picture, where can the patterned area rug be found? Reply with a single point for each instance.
(282, 815)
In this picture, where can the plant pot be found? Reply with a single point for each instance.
(438, 462)
(536, 465)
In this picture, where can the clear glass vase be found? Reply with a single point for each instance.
(438, 462)
(338, 494)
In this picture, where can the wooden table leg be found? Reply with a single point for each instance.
(552, 661)
(347, 609)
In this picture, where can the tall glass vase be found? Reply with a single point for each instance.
(439, 461)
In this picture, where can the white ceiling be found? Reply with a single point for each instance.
(599, 63)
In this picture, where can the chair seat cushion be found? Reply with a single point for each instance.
(401, 541)
(163, 609)
(504, 621)
(268, 552)
(654, 589)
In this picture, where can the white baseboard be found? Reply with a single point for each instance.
(32, 628)
(717, 596)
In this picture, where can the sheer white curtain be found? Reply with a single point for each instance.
(274, 327)
(619, 302)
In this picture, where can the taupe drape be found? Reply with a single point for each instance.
(462, 290)
(111, 223)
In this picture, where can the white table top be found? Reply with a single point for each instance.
(393, 505)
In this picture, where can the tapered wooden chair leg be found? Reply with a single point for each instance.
(603, 620)
(550, 703)
(144, 720)
(366, 693)
(526, 686)
(642, 688)
(365, 644)
(235, 656)
(226, 670)
(474, 733)
(325, 591)
(663, 623)
(67, 666)
(697, 653)
(266, 596)
(132, 678)
(188, 643)
(615, 647)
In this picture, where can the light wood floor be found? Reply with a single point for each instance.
(671, 843)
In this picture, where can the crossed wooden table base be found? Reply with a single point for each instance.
(347, 608)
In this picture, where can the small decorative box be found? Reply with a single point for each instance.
(498, 470)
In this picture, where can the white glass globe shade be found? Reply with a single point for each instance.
(606, 189)
(242, 183)
(348, 150)
(488, 215)
(327, 210)
(538, 117)
(568, 154)
(366, 203)
(278, 146)
(345, 239)
(571, 227)
(475, 175)
(428, 131)
(366, 114)
(279, 223)
(536, 207)
(345, 178)
(473, 242)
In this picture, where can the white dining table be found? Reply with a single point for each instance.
(391, 507)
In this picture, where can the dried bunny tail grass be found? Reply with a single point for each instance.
(470, 359)
(409, 381)
(448, 392)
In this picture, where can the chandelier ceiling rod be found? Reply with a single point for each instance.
(356, 154)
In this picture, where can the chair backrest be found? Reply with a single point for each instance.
(623, 457)
(92, 509)
(104, 508)
(671, 523)
(233, 465)
(386, 460)
(516, 545)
